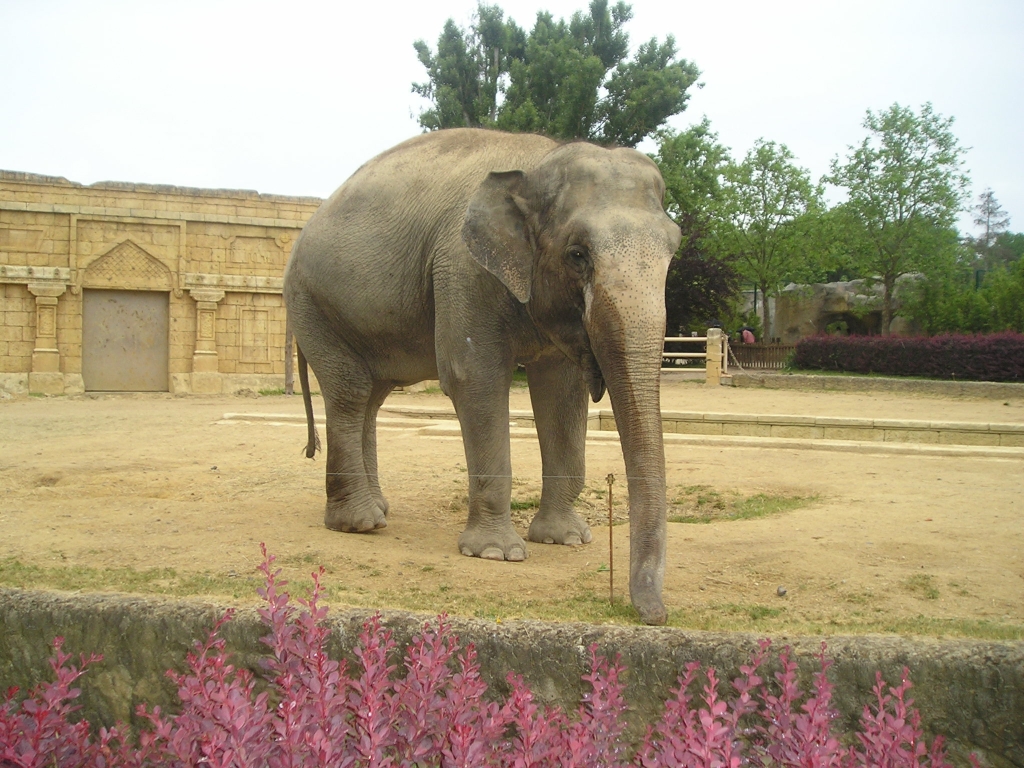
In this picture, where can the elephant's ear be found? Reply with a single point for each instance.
(497, 233)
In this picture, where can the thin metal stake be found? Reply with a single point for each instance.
(611, 553)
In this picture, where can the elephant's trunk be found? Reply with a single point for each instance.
(627, 334)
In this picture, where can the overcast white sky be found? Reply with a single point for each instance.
(291, 97)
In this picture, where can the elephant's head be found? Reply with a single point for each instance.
(584, 241)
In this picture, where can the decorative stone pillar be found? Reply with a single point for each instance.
(205, 367)
(713, 370)
(46, 377)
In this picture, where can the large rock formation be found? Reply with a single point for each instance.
(846, 307)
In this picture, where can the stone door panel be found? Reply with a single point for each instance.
(125, 340)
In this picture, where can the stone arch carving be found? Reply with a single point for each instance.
(127, 266)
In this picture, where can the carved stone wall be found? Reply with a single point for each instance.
(219, 255)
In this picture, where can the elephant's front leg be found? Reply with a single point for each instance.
(483, 415)
(558, 392)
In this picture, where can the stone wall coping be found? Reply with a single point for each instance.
(960, 426)
(674, 415)
(842, 421)
(901, 424)
(820, 443)
(246, 283)
(725, 417)
(424, 411)
(434, 412)
(811, 382)
(20, 274)
(20, 177)
(783, 419)
(443, 421)
(135, 213)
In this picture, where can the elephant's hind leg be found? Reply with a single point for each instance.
(378, 395)
(352, 504)
(558, 392)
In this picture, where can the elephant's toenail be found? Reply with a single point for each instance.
(467, 551)
(573, 540)
(549, 540)
(517, 555)
(492, 553)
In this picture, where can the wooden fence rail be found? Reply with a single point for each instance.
(682, 349)
(697, 349)
(762, 356)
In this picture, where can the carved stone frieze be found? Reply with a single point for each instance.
(127, 266)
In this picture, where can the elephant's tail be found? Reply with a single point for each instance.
(313, 439)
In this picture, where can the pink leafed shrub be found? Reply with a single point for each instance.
(314, 711)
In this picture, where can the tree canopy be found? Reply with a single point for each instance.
(905, 187)
(771, 207)
(993, 221)
(567, 79)
(702, 281)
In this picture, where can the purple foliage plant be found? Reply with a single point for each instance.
(314, 711)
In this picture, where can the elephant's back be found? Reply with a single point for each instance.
(462, 154)
(432, 176)
(401, 208)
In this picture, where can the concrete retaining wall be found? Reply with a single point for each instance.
(841, 428)
(795, 427)
(972, 692)
(980, 389)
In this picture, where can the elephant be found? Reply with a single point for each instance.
(460, 255)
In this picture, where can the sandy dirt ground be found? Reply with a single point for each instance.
(158, 494)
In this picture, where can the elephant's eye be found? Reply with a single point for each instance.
(578, 257)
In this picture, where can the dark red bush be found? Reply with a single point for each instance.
(982, 357)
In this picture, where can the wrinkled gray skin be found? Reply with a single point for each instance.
(459, 255)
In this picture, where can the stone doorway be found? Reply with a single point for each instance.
(125, 340)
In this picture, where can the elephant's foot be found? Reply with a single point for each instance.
(645, 594)
(491, 544)
(354, 517)
(382, 503)
(565, 528)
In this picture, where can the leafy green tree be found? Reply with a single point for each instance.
(773, 209)
(827, 258)
(1007, 249)
(464, 76)
(993, 221)
(702, 281)
(905, 187)
(990, 216)
(693, 165)
(951, 301)
(568, 80)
